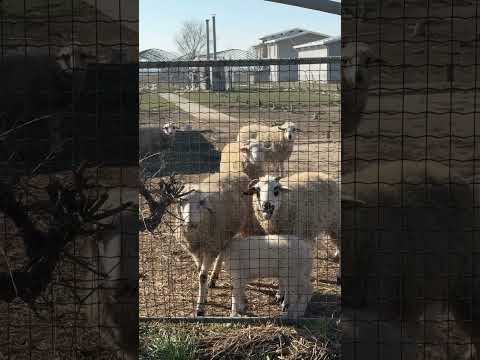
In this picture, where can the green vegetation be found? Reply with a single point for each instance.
(310, 340)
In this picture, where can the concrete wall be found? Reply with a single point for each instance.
(320, 72)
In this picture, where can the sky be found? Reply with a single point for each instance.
(239, 23)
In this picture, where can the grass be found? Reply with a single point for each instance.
(162, 344)
(197, 341)
(301, 95)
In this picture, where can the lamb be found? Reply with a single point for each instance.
(278, 141)
(245, 157)
(209, 217)
(420, 250)
(286, 257)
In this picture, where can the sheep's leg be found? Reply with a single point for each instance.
(280, 295)
(292, 305)
(216, 271)
(238, 294)
(202, 285)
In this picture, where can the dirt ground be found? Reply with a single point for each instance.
(55, 325)
(168, 285)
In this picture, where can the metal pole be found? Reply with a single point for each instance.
(214, 38)
(208, 39)
(207, 70)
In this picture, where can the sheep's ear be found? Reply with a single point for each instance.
(249, 191)
(351, 201)
(277, 178)
(284, 188)
(251, 187)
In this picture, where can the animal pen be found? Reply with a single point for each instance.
(207, 103)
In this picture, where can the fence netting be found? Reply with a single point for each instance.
(409, 131)
(68, 179)
(218, 128)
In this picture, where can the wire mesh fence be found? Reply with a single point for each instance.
(409, 133)
(217, 127)
(68, 170)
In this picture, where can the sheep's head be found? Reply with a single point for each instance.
(356, 59)
(268, 195)
(169, 129)
(74, 57)
(289, 130)
(252, 152)
(192, 209)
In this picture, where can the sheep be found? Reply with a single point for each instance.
(285, 257)
(356, 59)
(415, 253)
(245, 157)
(305, 204)
(154, 139)
(278, 141)
(38, 86)
(208, 217)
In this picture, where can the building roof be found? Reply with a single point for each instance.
(289, 34)
(157, 55)
(230, 54)
(319, 43)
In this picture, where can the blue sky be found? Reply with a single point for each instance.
(239, 22)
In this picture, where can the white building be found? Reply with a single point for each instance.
(281, 45)
(320, 72)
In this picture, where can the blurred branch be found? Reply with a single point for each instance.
(72, 211)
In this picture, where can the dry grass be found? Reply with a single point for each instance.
(318, 340)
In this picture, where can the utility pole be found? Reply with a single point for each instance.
(214, 38)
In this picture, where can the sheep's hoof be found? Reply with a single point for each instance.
(211, 283)
(339, 280)
(200, 312)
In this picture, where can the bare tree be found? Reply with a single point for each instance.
(191, 39)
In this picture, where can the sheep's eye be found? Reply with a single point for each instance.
(202, 202)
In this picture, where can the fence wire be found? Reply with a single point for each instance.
(409, 131)
(210, 103)
(68, 166)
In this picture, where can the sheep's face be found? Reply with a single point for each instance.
(290, 130)
(192, 209)
(252, 152)
(169, 129)
(356, 58)
(267, 195)
(71, 58)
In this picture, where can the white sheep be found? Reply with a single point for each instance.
(305, 204)
(247, 157)
(278, 141)
(208, 219)
(286, 257)
(153, 139)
